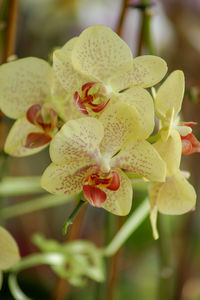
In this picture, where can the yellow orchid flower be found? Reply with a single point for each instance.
(100, 65)
(9, 252)
(90, 154)
(168, 102)
(30, 93)
(176, 195)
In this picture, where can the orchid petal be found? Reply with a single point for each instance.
(170, 151)
(145, 71)
(170, 95)
(69, 78)
(17, 137)
(24, 82)
(99, 52)
(9, 252)
(77, 140)
(176, 196)
(120, 121)
(66, 178)
(141, 158)
(94, 195)
(143, 102)
(119, 202)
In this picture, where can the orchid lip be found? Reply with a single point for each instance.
(87, 99)
(94, 183)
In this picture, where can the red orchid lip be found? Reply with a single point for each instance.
(87, 100)
(190, 144)
(93, 184)
(37, 139)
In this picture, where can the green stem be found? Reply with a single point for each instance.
(34, 205)
(15, 186)
(128, 228)
(71, 218)
(165, 291)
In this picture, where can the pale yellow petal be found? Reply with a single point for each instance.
(176, 196)
(66, 178)
(144, 71)
(120, 121)
(77, 140)
(70, 79)
(154, 189)
(119, 202)
(170, 151)
(99, 52)
(16, 138)
(141, 158)
(23, 82)
(63, 102)
(170, 95)
(9, 252)
(143, 102)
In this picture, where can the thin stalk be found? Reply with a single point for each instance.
(133, 222)
(166, 281)
(62, 288)
(30, 206)
(73, 215)
(122, 17)
(11, 28)
(18, 186)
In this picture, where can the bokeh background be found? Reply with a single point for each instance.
(144, 269)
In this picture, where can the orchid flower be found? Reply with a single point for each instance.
(176, 195)
(90, 155)
(100, 65)
(31, 94)
(168, 102)
(9, 253)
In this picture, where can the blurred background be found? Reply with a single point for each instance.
(144, 269)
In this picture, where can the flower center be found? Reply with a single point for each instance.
(94, 96)
(44, 117)
(97, 180)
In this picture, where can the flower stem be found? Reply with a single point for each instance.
(122, 17)
(71, 218)
(34, 205)
(11, 28)
(128, 228)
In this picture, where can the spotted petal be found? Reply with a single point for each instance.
(17, 138)
(65, 178)
(119, 202)
(69, 78)
(100, 52)
(9, 252)
(23, 82)
(143, 103)
(120, 121)
(77, 140)
(144, 71)
(170, 95)
(170, 151)
(141, 158)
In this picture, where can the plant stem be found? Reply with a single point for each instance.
(71, 218)
(15, 186)
(165, 291)
(11, 28)
(128, 228)
(145, 32)
(43, 202)
(122, 17)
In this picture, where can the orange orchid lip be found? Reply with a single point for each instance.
(190, 144)
(93, 183)
(86, 100)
